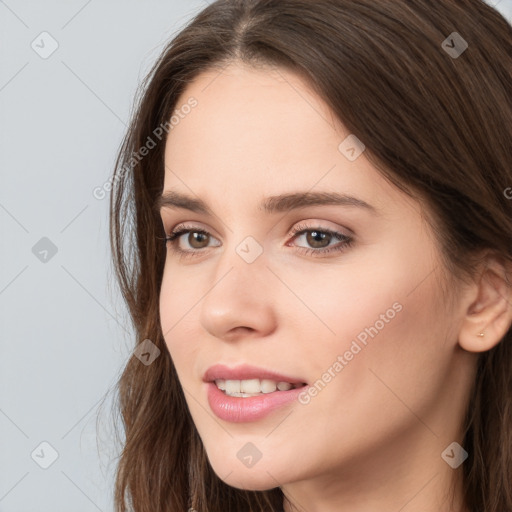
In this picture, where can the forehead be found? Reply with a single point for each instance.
(260, 132)
(250, 115)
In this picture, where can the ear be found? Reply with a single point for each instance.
(489, 309)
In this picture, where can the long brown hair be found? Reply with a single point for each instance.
(435, 123)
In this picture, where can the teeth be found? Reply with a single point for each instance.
(268, 386)
(232, 386)
(252, 387)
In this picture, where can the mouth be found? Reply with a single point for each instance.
(245, 381)
(254, 387)
(248, 393)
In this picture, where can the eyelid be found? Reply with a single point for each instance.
(188, 226)
(296, 227)
(345, 241)
(319, 224)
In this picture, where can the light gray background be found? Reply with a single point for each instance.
(63, 329)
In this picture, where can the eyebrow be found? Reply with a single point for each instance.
(274, 204)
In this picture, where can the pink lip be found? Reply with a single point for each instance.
(245, 372)
(240, 409)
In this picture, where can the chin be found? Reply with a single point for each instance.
(261, 476)
(249, 481)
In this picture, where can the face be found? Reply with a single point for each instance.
(342, 297)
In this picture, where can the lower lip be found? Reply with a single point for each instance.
(238, 409)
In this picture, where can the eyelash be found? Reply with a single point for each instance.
(295, 233)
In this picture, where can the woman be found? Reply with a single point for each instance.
(312, 231)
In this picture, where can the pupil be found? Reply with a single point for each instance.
(197, 237)
(318, 236)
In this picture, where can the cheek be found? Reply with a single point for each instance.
(345, 304)
(384, 317)
(392, 341)
(177, 311)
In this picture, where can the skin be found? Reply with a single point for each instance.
(372, 439)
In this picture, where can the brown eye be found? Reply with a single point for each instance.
(318, 239)
(197, 239)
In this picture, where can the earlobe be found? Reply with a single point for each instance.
(489, 312)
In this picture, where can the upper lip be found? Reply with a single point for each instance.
(246, 372)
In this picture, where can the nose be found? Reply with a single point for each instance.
(239, 302)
